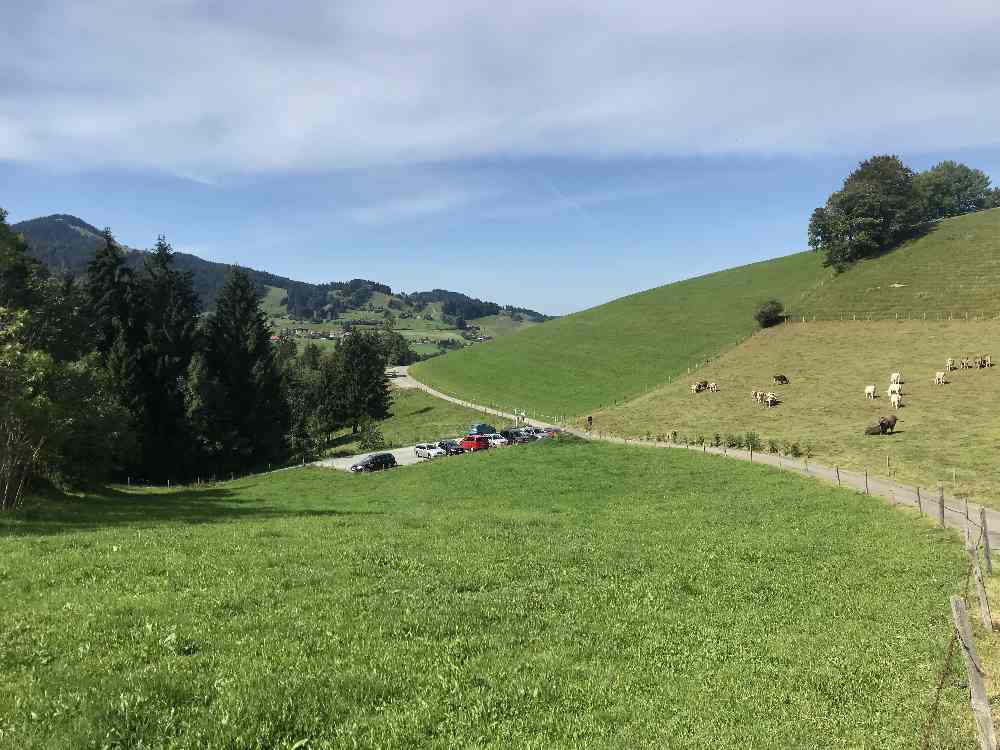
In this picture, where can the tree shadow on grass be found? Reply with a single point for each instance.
(61, 514)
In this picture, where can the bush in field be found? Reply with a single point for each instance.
(371, 438)
(752, 441)
(717, 440)
(773, 446)
(733, 441)
(769, 313)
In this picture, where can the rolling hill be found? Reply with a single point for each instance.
(616, 351)
(66, 244)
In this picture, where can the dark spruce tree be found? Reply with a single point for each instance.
(235, 401)
(109, 293)
(169, 339)
(362, 386)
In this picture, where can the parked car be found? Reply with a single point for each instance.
(451, 447)
(473, 443)
(515, 435)
(429, 450)
(496, 440)
(375, 462)
(482, 429)
(538, 432)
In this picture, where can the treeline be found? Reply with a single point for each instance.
(460, 306)
(327, 301)
(119, 373)
(883, 202)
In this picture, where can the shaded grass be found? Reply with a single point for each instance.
(564, 595)
(612, 352)
(948, 435)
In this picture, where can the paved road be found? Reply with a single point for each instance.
(955, 510)
(403, 456)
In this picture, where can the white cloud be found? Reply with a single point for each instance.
(254, 87)
(408, 207)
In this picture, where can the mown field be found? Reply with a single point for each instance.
(953, 270)
(948, 435)
(612, 352)
(564, 595)
(416, 417)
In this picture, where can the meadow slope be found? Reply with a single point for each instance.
(565, 594)
(616, 351)
(578, 362)
(949, 434)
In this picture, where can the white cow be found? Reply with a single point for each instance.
(870, 392)
(896, 400)
(949, 364)
(896, 378)
(939, 378)
(894, 388)
(771, 399)
(714, 387)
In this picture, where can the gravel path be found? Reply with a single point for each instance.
(903, 494)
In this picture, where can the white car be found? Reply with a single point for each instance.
(496, 440)
(538, 432)
(428, 450)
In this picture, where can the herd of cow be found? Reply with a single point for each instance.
(894, 392)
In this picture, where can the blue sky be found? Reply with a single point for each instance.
(552, 155)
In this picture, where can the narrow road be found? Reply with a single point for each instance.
(902, 494)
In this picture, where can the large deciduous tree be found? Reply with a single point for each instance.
(952, 189)
(362, 386)
(876, 208)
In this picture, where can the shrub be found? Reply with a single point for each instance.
(370, 438)
(717, 440)
(732, 441)
(700, 440)
(752, 441)
(793, 449)
(769, 313)
(773, 446)
(673, 436)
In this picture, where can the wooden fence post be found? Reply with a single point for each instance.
(984, 603)
(977, 689)
(838, 475)
(987, 552)
(920, 504)
(941, 506)
(866, 482)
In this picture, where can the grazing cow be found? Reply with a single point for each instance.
(780, 380)
(939, 378)
(987, 361)
(870, 392)
(896, 378)
(896, 400)
(966, 363)
(770, 400)
(888, 424)
(979, 362)
(713, 387)
(894, 388)
(700, 386)
(949, 364)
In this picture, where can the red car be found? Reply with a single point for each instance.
(472, 443)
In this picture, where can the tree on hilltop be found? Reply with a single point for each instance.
(952, 189)
(876, 208)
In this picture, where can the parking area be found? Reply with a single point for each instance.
(480, 437)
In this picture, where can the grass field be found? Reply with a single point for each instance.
(416, 417)
(614, 351)
(563, 595)
(953, 270)
(946, 433)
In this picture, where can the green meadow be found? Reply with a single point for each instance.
(612, 352)
(565, 594)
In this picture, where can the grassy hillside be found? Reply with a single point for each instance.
(416, 417)
(949, 434)
(565, 595)
(613, 351)
(620, 349)
(952, 270)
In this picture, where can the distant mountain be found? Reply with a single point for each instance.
(66, 244)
